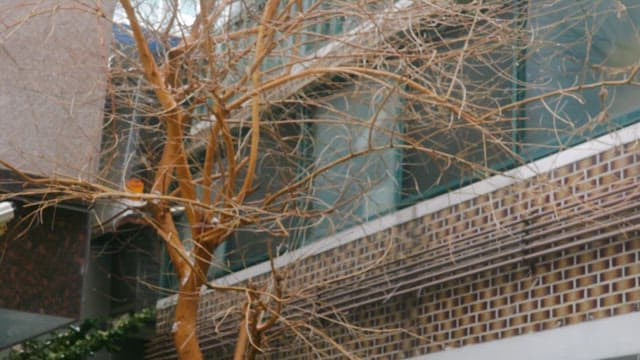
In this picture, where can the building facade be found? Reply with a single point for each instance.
(52, 88)
(528, 258)
(536, 245)
(59, 265)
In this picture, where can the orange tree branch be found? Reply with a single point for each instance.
(264, 38)
(268, 46)
(173, 156)
(378, 76)
(164, 225)
(277, 284)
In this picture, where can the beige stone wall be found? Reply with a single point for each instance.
(53, 61)
(558, 249)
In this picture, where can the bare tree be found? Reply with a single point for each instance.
(287, 120)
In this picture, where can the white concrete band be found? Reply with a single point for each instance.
(592, 340)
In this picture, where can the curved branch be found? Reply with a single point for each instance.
(264, 38)
(173, 156)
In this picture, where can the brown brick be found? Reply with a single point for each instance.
(632, 269)
(611, 275)
(611, 300)
(633, 296)
(491, 336)
(541, 291)
(623, 259)
(562, 312)
(573, 296)
(470, 340)
(597, 290)
(584, 307)
(586, 281)
(623, 284)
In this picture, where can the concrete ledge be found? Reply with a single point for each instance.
(599, 339)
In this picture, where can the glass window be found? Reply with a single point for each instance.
(445, 150)
(278, 164)
(579, 43)
(356, 119)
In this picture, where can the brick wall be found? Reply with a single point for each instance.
(555, 250)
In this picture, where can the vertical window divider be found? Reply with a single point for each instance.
(519, 113)
(398, 201)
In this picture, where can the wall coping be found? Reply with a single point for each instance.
(598, 339)
(434, 204)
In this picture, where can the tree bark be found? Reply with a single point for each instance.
(242, 342)
(184, 327)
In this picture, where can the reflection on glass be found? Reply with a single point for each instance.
(579, 43)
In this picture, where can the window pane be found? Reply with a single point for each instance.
(579, 43)
(358, 119)
(278, 164)
(445, 150)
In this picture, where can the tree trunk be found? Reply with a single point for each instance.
(184, 333)
(241, 342)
